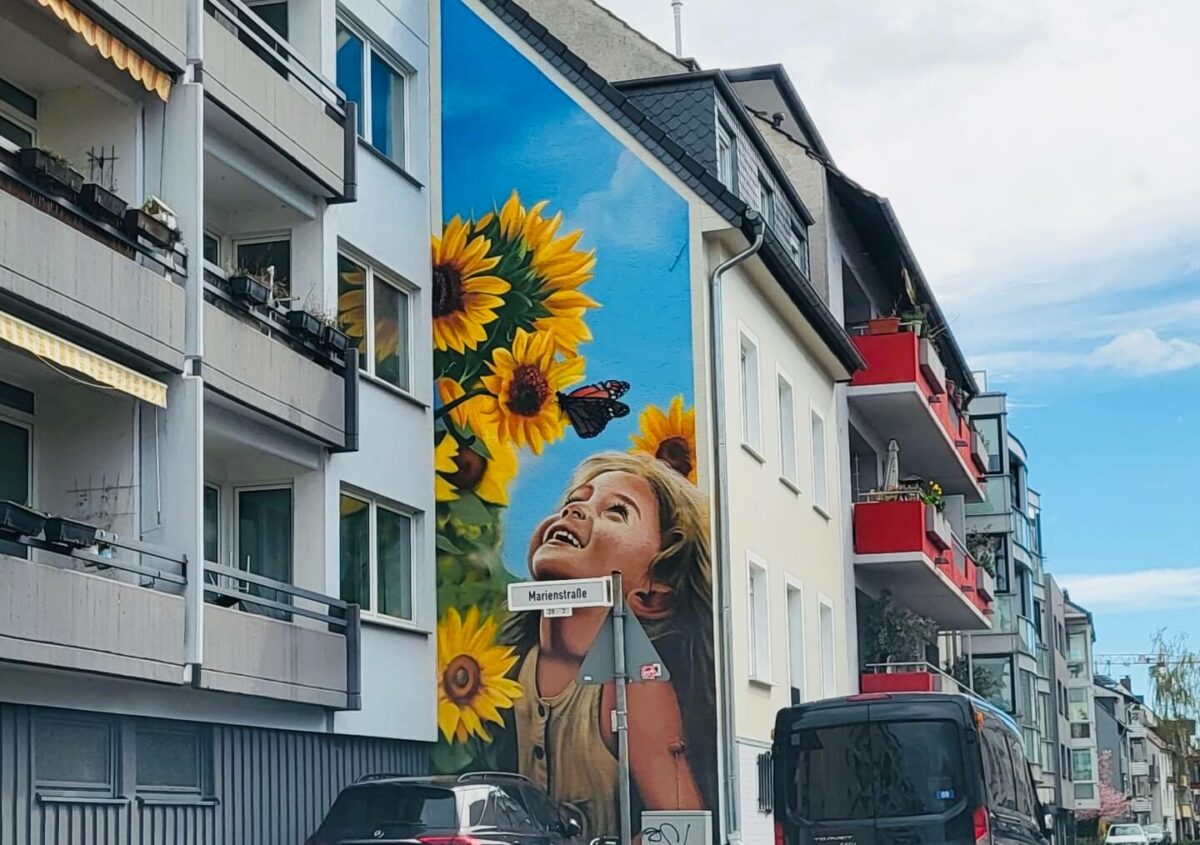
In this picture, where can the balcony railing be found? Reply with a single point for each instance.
(912, 676)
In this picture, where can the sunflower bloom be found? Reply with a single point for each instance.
(524, 385)
(465, 297)
(472, 687)
(670, 437)
(352, 316)
(444, 456)
(468, 471)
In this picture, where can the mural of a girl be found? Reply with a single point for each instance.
(634, 514)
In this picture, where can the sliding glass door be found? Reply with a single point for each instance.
(264, 541)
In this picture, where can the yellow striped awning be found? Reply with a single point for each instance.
(112, 48)
(54, 349)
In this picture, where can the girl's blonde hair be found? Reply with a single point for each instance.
(684, 637)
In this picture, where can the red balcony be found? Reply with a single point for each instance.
(907, 677)
(907, 547)
(905, 394)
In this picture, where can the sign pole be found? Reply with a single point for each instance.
(622, 713)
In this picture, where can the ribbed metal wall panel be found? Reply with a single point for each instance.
(272, 788)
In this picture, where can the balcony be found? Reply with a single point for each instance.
(908, 677)
(904, 392)
(163, 26)
(906, 546)
(268, 94)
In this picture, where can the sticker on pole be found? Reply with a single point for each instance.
(553, 612)
(651, 671)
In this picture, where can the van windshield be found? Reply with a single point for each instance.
(875, 770)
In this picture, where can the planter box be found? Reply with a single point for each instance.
(305, 324)
(249, 290)
(102, 203)
(937, 527)
(68, 532)
(883, 325)
(20, 520)
(140, 224)
(49, 170)
(335, 339)
(932, 367)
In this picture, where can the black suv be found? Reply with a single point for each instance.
(482, 808)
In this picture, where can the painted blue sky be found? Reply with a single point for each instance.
(540, 143)
(1042, 158)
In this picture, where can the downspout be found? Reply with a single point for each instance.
(730, 820)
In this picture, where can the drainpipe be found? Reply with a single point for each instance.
(730, 821)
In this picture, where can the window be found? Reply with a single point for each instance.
(267, 256)
(379, 85)
(212, 249)
(172, 759)
(212, 524)
(820, 480)
(376, 557)
(1081, 730)
(1081, 764)
(795, 630)
(998, 768)
(75, 753)
(999, 670)
(264, 542)
(1077, 647)
(1077, 704)
(828, 672)
(15, 472)
(18, 116)
(1023, 786)
(383, 340)
(274, 13)
(766, 202)
(751, 410)
(766, 785)
(989, 433)
(726, 157)
(787, 429)
(1000, 543)
(798, 244)
(760, 623)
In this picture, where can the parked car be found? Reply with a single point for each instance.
(1126, 834)
(885, 768)
(1157, 834)
(483, 808)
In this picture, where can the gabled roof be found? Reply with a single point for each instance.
(778, 75)
(695, 175)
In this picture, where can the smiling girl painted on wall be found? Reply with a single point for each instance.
(637, 515)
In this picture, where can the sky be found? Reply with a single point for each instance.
(628, 215)
(1044, 160)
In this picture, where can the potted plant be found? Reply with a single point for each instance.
(982, 548)
(883, 325)
(103, 203)
(154, 222)
(52, 169)
(67, 532)
(20, 520)
(249, 288)
(306, 323)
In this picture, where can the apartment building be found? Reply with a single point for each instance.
(1081, 708)
(1055, 787)
(217, 539)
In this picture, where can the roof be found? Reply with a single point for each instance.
(694, 174)
(783, 83)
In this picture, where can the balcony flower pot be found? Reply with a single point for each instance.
(937, 527)
(140, 224)
(334, 339)
(883, 325)
(249, 290)
(103, 203)
(19, 520)
(67, 532)
(51, 170)
(305, 324)
(932, 367)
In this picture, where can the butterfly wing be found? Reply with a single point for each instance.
(589, 409)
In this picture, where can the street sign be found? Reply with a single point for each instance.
(641, 657)
(548, 595)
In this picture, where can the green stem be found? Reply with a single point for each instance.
(450, 406)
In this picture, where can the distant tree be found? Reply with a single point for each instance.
(1114, 805)
(1175, 690)
(978, 678)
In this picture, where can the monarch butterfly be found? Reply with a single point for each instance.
(590, 408)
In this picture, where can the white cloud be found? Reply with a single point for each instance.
(1143, 353)
(1136, 591)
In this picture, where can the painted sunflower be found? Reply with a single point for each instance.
(468, 471)
(523, 387)
(670, 437)
(465, 298)
(472, 687)
(444, 455)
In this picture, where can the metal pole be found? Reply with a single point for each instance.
(622, 715)
(677, 8)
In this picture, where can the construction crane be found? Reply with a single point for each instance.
(1136, 659)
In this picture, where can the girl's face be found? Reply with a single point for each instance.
(609, 524)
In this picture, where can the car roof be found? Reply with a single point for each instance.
(444, 781)
(933, 699)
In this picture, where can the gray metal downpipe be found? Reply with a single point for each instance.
(729, 816)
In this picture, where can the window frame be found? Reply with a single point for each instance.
(786, 426)
(22, 420)
(81, 789)
(767, 202)
(798, 243)
(750, 392)
(819, 456)
(796, 639)
(726, 135)
(758, 616)
(204, 762)
(284, 235)
(374, 502)
(828, 649)
(367, 362)
(372, 46)
(15, 115)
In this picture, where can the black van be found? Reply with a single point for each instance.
(903, 768)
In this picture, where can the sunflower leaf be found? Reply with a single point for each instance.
(470, 510)
(444, 545)
(450, 758)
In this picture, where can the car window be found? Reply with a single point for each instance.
(1026, 803)
(998, 769)
(918, 767)
(832, 773)
(390, 805)
(1126, 830)
(545, 813)
(522, 816)
(499, 810)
